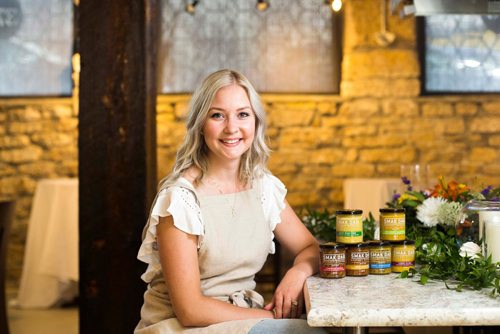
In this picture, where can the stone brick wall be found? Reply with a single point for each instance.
(378, 122)
(38, 139)
(320, 140)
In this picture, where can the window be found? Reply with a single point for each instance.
(462, 53)
(290, 47)
(36, 38)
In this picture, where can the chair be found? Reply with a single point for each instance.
(6, 215)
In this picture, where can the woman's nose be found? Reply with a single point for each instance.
(231, 125)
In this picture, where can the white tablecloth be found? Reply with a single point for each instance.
(50, 268)
(370, 195)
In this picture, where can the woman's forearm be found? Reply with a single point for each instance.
(307, 260)
(205, 311)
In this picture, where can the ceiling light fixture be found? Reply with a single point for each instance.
(191, 6)
(262, 5)
(336, 5)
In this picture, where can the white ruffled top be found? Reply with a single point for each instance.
(180, 201)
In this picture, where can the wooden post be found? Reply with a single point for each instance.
(117, 156)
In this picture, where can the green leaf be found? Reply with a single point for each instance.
(411, 203)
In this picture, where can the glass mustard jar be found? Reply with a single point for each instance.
(332, 260)
(403, 255)
(392, 224)
(358, 259)
(349, 226)
(380, 257)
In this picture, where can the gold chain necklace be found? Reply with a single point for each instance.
(219, 189)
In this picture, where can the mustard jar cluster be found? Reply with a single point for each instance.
(351, 256)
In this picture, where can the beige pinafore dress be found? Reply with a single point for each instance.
(234, 239)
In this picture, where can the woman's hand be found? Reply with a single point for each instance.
(288, 299)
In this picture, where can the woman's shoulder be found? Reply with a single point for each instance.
(191, 174)
(186, 180)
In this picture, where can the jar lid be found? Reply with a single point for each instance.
(379, 243)
(391, 210)
(349, 212)
(358, 245)
(403, 242)
(332, 245)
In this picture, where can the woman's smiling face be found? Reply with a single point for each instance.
(229, 129)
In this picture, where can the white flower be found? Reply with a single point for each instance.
(470, 249)
(427, 212)
(449, 213)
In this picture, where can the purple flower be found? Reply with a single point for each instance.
(405, 180)
(486, 191)
(396, 196)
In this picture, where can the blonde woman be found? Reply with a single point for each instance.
(213, 222)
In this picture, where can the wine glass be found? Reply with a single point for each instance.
(418, 176)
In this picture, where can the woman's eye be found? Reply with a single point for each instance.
(217, 115)
(244, 114)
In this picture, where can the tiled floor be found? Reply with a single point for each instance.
(51, 321)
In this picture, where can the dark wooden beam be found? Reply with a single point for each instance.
(117, 156)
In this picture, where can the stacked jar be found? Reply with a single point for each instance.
(392, 224)
(332, 260)
(403, 255)
(349, 225)
(393, 229)
(380, 257)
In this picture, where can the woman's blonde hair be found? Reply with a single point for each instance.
(194, 152)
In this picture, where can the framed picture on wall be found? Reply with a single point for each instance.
(290, 47)
(36, 43)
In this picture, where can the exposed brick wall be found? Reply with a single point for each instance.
(38, 139)
(318, 140)
(377, 123)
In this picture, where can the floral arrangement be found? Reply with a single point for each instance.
(444, 249)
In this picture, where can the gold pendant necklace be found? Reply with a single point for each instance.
(219, 189)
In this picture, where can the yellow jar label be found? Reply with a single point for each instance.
(358, 261)
(392, 226)
(349, 229)
(357, 266)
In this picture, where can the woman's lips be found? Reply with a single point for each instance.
(231, 141)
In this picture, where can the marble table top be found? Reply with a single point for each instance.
(385, 300)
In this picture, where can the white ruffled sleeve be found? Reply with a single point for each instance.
(273, 193)
(180, 203)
